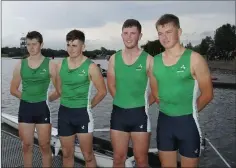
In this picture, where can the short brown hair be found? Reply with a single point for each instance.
(168, 18)
(131, 23)
(75, 35)
(35, 35)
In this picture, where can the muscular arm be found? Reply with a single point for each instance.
(53, 73)
(153, 84)
(151, 98)
(111, 81)
(202, 75)
(98, 81)
(58, 79)
(16, 80)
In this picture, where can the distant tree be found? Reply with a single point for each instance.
(196, 48)
(225, 37)
(206, 43)
(153, 47)
(225, 40)
(189, 46)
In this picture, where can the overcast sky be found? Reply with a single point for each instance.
(101, 21)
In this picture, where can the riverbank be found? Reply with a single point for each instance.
(222, 65)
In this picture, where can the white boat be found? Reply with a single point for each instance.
(102, 148)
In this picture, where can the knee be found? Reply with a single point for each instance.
(67, 153)
(88, 156)
(141, 160)
(119, 158)
(27, 146)
(45, 147)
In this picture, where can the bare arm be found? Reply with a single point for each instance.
(111, 81)
(151, 98)
(58, 79)
(153, 84)
(53, 73)
(16, 80)
(98, 81)
(202, 74)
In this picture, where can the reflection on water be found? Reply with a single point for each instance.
(217, 120)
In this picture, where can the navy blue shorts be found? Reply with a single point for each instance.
(130, 120)
(34, 113)
(74, 120)
(178, 133)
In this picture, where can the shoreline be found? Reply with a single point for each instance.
(222, 65)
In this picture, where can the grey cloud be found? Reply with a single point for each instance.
(207, 33)
(80, 14)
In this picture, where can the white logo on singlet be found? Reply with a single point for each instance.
(139, 68)
(43, 71)
(82, 127)
(182, 68)
(141, 126)
(82, 73)
(196, 151)
(46, 119)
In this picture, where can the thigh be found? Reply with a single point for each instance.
(44, 133)
(119, 120)
(82, 121)
(189, 162)
(68, 145)
(26, 133)
(86, 142)
(42, 114)
(65, 127)
(138, 120)
(168, 158)
(120, 142)
(140, 143)
(26, 111)
(165, 138)
(189, 138)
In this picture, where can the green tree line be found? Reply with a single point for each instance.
(18, 52)
(221, 47)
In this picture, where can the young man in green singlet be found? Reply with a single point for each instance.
(76, 76)
(179, 74)
(34, 72)
(127, 79)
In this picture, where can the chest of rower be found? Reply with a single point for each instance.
(78, 76)
(134, 73)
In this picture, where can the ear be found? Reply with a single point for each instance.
(140, 36)
(179, 32)
(41, 46)
(83, 47)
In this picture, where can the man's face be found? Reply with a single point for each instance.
(131, 36)
(168, 35)
(33, 46)
(75, 48)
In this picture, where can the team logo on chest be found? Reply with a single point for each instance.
(139, 68)
(43, 71)
(181, 69)
(82, 73)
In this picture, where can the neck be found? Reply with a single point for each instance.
(36, 57)
(175, 51)
(76, 59)
(131, 51)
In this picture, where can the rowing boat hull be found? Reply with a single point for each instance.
(102, 158)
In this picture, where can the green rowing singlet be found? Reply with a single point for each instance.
(75, 85)
(177, 89)
(131, 82)
(35, 82)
